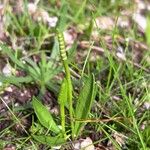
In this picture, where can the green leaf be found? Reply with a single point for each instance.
(44, 116)
(55, 50)
(62, 98)
(80, 13)
(15, 80)
(9, 52)
(84, 103)
(63, 16)
(48, 140)
(33, 65)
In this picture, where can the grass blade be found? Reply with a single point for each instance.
(9, 52)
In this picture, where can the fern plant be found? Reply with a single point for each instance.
(82, 107)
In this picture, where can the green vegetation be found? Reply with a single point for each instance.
(85, 76)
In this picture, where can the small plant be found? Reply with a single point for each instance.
(40, 73)
(77, 115)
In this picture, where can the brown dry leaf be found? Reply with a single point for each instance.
(139, 16)
(39, 14)
(32, 8)
(3, 36)
(10, 147)
(142, 6)
(120, 54)
(7, 70)
(42, 15)
(101, 147)
(146, 105)
(104, 23)
(145, 124)
(85, 144)
(17, 6)
(70, 36)
(140, 20)
(120, 138)
(138, 50)
(123, 22)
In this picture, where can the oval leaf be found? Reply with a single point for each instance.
(44, 116)
(84, 102)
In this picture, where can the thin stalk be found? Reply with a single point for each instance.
(86, 60)
(68, 76)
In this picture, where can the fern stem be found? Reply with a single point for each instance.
(68, 76)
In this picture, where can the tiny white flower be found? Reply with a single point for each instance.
(87, 144)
